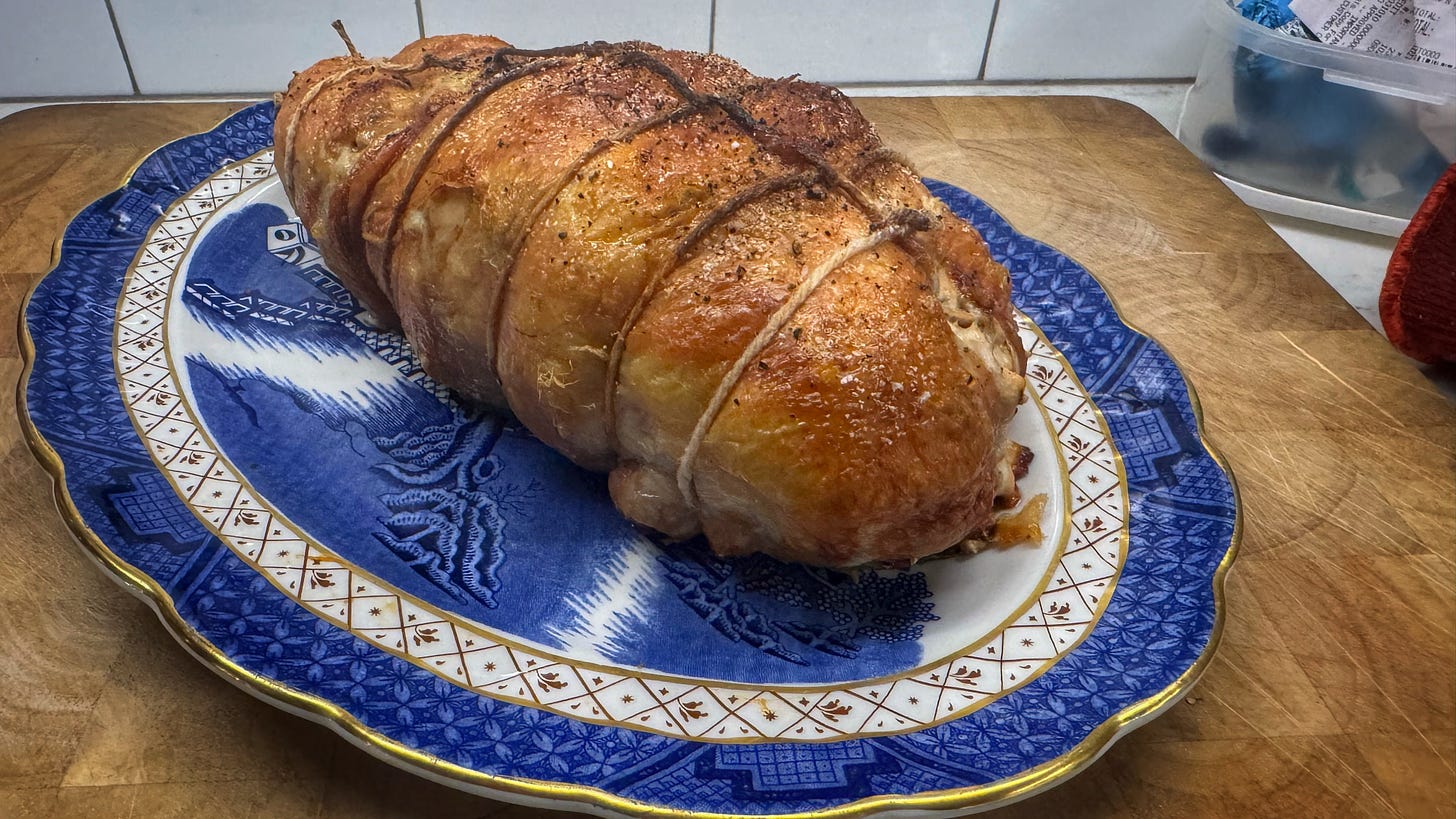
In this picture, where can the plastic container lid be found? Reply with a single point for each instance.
(1372, 72)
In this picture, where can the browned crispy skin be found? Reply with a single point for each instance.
(592, 237)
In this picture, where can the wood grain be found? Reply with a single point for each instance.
(1334, 692)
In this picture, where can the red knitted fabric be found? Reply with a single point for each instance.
(1418, 299)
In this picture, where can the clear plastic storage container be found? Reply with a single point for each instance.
(1298, 121)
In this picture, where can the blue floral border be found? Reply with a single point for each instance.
(1156, 626)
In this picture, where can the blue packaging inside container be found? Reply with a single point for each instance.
(1316, 122)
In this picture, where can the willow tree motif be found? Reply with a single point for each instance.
(889, 608)
(833, 612)
(445, 525)
(710, 588)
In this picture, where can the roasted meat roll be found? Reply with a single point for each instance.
(720, 289)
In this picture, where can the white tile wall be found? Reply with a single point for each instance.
(856, 40)
(57, 48)
(1096, 39)
(545, 23)
(68, 48)
(200, 47)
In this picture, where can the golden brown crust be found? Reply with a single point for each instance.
(721, 289)
(344, 121)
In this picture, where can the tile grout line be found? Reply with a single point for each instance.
(990, 32)
(712, 25)
(419, 17)
(121, 44)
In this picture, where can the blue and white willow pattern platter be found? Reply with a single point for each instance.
(321, 522)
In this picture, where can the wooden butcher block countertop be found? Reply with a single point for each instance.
(1334, 690)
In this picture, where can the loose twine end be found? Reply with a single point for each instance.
(344, 35)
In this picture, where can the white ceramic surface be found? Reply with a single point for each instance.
(1096, 39)
(549, 23)
(59, 47)
(69, 48)
(219, 48)
(841, 41)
